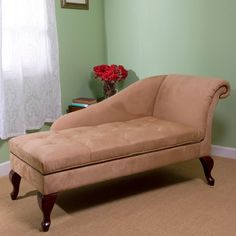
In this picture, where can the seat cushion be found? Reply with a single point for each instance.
(54, 151)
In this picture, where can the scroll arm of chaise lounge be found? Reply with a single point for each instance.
(135, 101)
(220, 91)
(225, 90)
(187, 99)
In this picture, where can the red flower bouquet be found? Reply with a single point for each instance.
(110, 75)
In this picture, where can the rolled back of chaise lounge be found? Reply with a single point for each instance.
(185, 99)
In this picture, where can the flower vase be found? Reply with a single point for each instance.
(109, 88)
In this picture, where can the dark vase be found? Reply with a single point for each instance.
(109, 88)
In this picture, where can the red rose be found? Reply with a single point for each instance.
(112, 73)
(99, 70)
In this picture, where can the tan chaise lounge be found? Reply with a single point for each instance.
(152, 123)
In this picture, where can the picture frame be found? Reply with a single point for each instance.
(75, 4)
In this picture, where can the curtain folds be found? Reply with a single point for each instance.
(29, 66)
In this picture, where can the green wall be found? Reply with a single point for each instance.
(82, 45)
(185, 36)
(81, 36)
(149, 37)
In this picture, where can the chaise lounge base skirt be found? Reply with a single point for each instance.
(84, 175)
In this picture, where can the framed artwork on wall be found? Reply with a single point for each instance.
(75, 4)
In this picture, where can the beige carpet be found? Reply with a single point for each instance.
(169, 201)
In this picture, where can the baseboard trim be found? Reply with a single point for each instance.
(221, 151)
(4, 168)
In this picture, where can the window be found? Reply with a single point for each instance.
(29, 81)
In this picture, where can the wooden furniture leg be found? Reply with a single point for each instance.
(15, 180)
(207, 164)
(46, 203)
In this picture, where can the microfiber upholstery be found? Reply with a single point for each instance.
(189, 99)
(54, 151)
(152, 123)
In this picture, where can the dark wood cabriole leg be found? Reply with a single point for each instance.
(46, 203)
(208, 163)
(15, 180)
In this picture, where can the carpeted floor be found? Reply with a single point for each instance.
(171, 201)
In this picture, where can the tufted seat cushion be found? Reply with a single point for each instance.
(54, 151)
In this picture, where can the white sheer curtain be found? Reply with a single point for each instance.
(29, 67)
